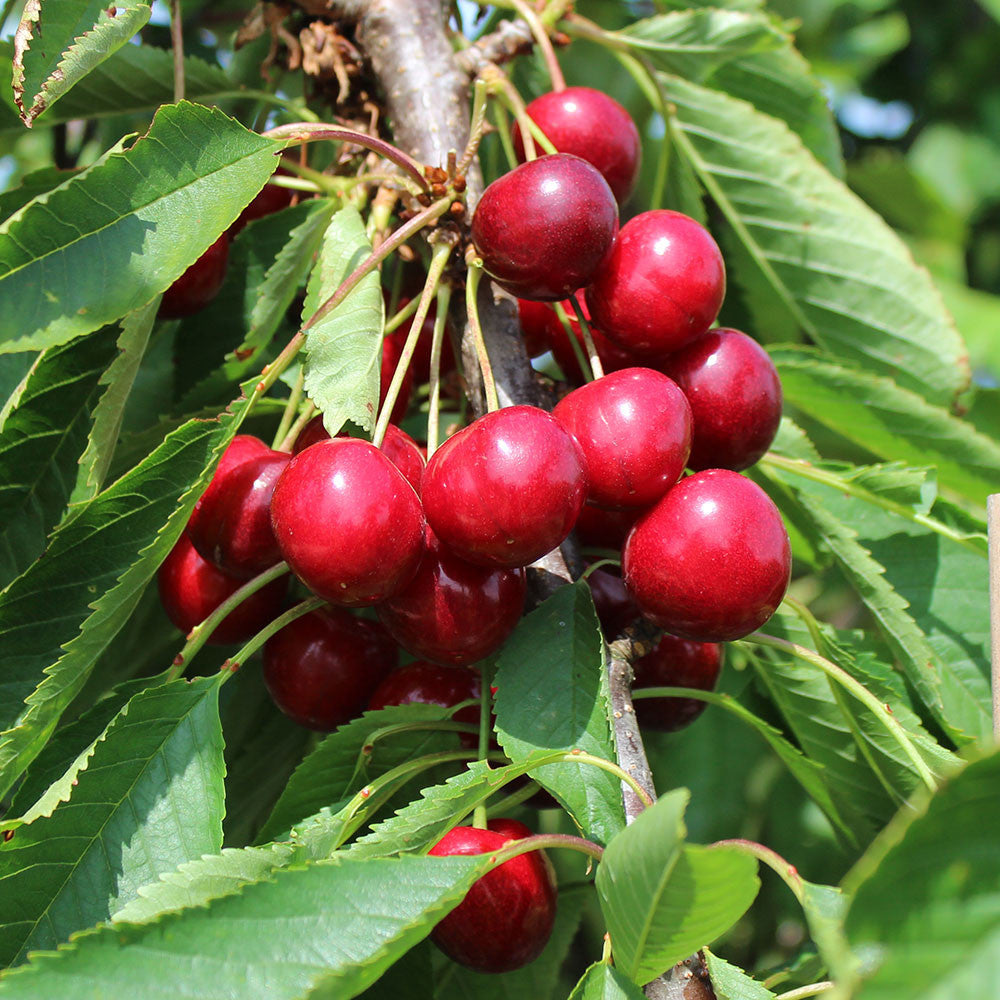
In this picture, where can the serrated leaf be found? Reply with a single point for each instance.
(812, 257)
(331, 928)
(732, 983)
(56, 46)
(551, 694)
(344, 349)
(603, 982)
(41, 442)
(663, 899)
(149, 798)
(130, 218)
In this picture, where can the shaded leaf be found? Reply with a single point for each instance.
(603, 982)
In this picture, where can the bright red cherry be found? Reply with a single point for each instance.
(589, 124)
(545, 228)
(322, 668)
(506, 918)
(662, 284)
(675, 663)
(612, 601)
(534, 317)
(735, 396)
(711, 561)
(454, 612)
(612, 357)
(348, 522)
(599, 528)
(199, 284)
(507, 489)
(392, 349)
(192, 588)
(634, 430)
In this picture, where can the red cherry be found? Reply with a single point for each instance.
(506, 918)
(735, 396)
(392, 349)
(603, 529)
(348, 523)
(507, 489)
(192, 588)
(675, 663)
(271, 199)
(311, 434)
(662, 285)
(711, 561)
(322, 668)
(634, 430)
(591, 125)
(544, 229)
(534, 318)
(454, 612)
(420, 364)
(612, 357)
(199, 284)
(612, 601)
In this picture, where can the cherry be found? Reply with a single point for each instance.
(507, 489)
(711, 561)
(454, 612)
(675, 663)
(322, 668)
(420, 364)
(612, 601)
(634, 430)
(271, 199)
(735, 396)
(199, 284)
(191, 588)
(603, 529)
(544, 229)
(392, 349)
(589, 124)
(534, 317)
(506, 918)
(661, 286)
(231, 524)
(612, 357)
(348, 522)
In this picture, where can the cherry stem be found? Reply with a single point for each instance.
(595, 362)
(882, 712)
(544, 43)
(574, 343)
(486, 676)
(317, 131)
(502, 806)
(480, 93)
(788, 873)
(251, 647)
(177, 41)
(401, 316)
(808, 619)
(600, 564)
(578, 756)
(437, 342)
(812, 990)
(201, 633)
(472, 280)
(294, 398)
(503, 130)
(439, 258)
(288, 443)
(541, 841)
(507, 92)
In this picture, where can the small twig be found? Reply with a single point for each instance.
(177, 40)
(471, 288)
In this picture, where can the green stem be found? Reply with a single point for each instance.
(786, 872)
(480, 93)
(812, 990)
(808, 619)
(485, 730)
(177, 42)
(266, 97)
(579, 757)
(543, 42)
(296, 429)
(574, 343)
(251, 647)
(542, 841)
(294, 398)
(599, 565)
(400, 317)
(595, 362)
(503, 130)
(437, 342)
(471, 288)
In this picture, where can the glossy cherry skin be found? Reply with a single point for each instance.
(675, 663)
(506, 918)
(735, 396)
(452, 611)
(231, 525)
(612, 357)
(599, 528)
(192, 588)
(545, 228)
(589, 124)
(612, 601)
(348, 522)
(199, 284)
(507, 489)
(634, 430)
(662, 285)
(711, 561)
(392, 349)
(322, 668)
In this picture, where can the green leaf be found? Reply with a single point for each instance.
(38, 182)
(331, 928)
(602, 982)
(662, 899)
(127, 217)
(925, 912)
(57, 47)
(344, 349)
(731, 983)
(552, 694)
(41, 442)
(812, 258)
(149, 798)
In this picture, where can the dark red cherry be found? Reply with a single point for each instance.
(420, 364)
(322, 668)
(534, 318)
(348, 522)
(231, 524)
(392, 348)
(506, 918)
(192, 588)
(735, 396)
(199, 284)
(544, 229)
(454, 612)
(634, 430)
(598, 528)
(589, 124)
(507, 489)
(675, 663)
(711, 561)
(612, 357)
(612, 601)
(661, 286)
(311, 434)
